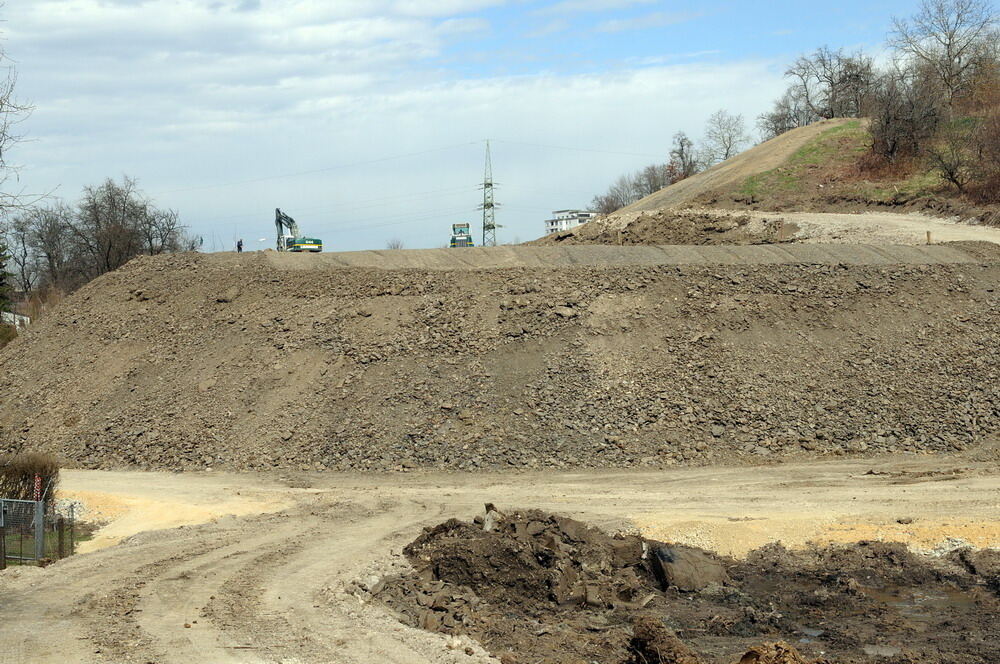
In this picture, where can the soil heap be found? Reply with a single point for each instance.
(194, 361)
(692, 227)
(536, 587)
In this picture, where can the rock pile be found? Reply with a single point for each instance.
(531, 586)
(194, 361)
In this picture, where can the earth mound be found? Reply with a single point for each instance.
(690, 227)
(195, 361)
(537, 587)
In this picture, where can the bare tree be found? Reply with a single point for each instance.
(651, 179)
(114, 223)
(683, 156)
(20, 254)
(623, 192)
(52, 243)
(394, 243)
(790, 111)
(905, 113)
(949, 37)
(725, 134)
(12, 113)
(833, 84)
(952, 157)
(4, 278)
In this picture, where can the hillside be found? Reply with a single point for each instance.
(732, 173)
(812, 169)
(700, 355)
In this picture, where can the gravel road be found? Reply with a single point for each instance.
(278, 587)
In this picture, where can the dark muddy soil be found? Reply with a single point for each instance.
(534, 587)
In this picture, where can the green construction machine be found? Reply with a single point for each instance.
(289, 238)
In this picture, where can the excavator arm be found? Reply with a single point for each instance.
(281, 222)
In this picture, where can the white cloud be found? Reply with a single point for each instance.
(580, 6)
(653, 20)
(185, 96)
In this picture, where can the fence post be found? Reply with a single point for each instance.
(39, 530)
(3, 543)
(72, 530)
(60, 530)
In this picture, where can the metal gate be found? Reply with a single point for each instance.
(22, 530)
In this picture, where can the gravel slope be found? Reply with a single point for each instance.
(195, 361)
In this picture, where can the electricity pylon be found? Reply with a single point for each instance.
(489, 206)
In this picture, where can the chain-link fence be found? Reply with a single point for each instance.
(32, 531)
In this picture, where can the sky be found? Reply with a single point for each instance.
(367, 120)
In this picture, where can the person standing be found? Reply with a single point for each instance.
(239, 246)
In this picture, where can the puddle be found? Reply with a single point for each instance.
(882, 651)
(923, 607)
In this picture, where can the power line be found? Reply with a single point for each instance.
(369, 202)
(410, 217)
(321, 170)
(563, 147)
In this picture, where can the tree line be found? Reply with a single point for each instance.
(934, 107)
(50, 246)
(61, 247)
(725, 135)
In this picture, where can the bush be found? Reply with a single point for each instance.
(17, 475)
(7, 334)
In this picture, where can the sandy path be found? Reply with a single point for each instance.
(882, 228)
(276, 587)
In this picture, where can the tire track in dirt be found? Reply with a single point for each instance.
(173, 605)
(280, 607)
(112, 616)
(288, 584)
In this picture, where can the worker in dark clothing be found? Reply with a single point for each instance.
(239, 246)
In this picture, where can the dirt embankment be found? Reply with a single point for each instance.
(811, 172)
(731, 173)
(533, 587)
(669, 227)
(193, 361)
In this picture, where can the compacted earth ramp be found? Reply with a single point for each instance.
(480, 258)
(671, 355)
(769, 154)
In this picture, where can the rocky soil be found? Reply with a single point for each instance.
(690, 227)
(192, 361)
(536, 587)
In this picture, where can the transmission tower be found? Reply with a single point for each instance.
(488, 207)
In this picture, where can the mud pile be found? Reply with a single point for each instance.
(665, 227)
(224, 361)
(534, 587)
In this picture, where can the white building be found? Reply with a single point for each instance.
(17, 320)
(563, 220)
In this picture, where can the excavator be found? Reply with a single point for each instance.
(288, 235)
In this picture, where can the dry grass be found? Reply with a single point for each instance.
(17, 475)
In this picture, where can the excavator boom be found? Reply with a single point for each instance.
(289, 238)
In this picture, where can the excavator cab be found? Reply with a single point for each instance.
(289, 238)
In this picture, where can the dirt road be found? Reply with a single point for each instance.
(882, 228)
(277, 587)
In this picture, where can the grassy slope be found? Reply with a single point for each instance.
(823, 176)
